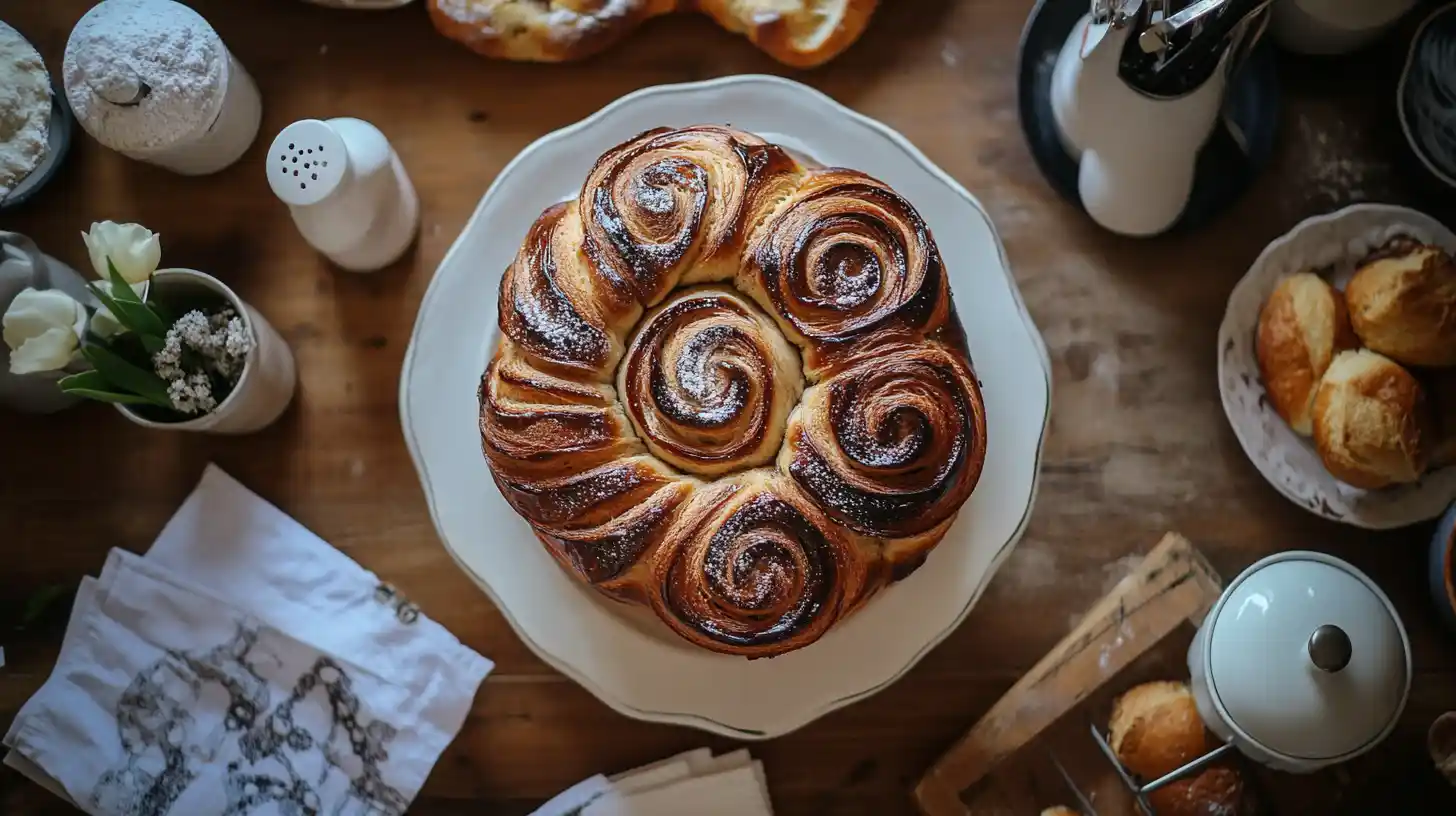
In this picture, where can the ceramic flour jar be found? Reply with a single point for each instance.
(152, 80)
(1302, 663)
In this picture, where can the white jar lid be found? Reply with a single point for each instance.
(1307, 657)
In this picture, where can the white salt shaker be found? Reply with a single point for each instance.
(347, 191)
(152, 80)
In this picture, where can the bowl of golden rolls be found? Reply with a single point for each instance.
(1337, 365)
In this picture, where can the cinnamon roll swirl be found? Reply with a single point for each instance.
(846, 255)
(539, 425)
(658, 436)
(892, 445)
(708, 382)
(675, 205)
(556, 310)
(754, 569)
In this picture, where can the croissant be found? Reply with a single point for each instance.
(732, 389)
(798, 33)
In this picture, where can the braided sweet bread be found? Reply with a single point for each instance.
(800, 33)
(751, 461)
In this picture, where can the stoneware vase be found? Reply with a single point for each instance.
(23, 265)
(269, 377)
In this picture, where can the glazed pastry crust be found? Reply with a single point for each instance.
(1302, 326)
(1372, 423)
(732, 389)
(798, 33)
(1403, 305)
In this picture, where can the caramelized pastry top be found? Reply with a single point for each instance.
(752, 461)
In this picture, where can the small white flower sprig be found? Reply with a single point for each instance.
(216, 344)
(138, 353)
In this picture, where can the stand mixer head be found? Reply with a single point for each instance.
(1177, 45)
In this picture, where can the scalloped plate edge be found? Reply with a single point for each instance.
(566, 668)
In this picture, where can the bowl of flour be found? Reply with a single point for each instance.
(35, 121)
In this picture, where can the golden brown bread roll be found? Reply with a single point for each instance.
(1060, 810)
(1302, 326)
(1372, 426)
(646, 417)
(1403, 305)
(1155, 730)
(799, 33)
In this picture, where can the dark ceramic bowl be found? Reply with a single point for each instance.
(1443, 569)
(58, 144)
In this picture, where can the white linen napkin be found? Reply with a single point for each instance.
(243, 663)
(694, 782)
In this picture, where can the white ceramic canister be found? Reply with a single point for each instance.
(347, 191)
(152, 80)
(269, 377)
(1302, 663)
(1329, 27)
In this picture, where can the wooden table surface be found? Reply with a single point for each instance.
(1139, 443)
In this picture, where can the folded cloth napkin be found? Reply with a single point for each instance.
(695, 782)
(243, 666)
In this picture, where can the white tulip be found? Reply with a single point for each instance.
(135, 250)
(43, 330)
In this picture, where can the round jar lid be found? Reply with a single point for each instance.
(1307, 657)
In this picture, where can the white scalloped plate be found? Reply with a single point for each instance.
(1332, 243)
(634, 666)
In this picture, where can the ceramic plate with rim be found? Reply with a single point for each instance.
(1330, 245)
(621, 655)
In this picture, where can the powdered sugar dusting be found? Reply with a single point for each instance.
(1109, 651)
(1336, 169)
(159, 49)
(559, 21)
(468, 12)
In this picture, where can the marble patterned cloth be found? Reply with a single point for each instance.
(243, 666)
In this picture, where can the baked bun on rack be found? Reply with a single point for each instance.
(1155, 729)
(798, 33)
(732, 389)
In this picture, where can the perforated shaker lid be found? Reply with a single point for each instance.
(1307, 657)
(306, 162)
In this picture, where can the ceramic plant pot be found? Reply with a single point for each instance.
(269, 377)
